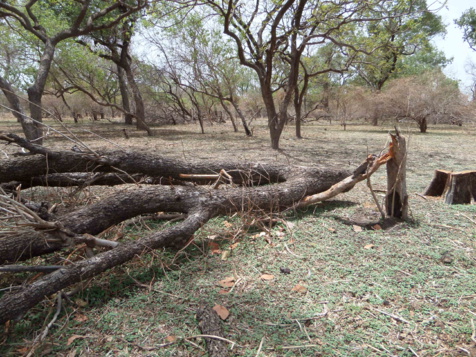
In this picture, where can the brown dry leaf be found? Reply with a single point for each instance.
(234, 245)
(222, 311)
(332, 230)
(377, 227)
(73, 338)
(227, 282)
(267, 277)
(80, 302)
(223, 291)
(171, 338)
(80, 318)
(299, 288)
(23, 350)
(357, 228)
(214, 247)
(369, 246)
(228, 224)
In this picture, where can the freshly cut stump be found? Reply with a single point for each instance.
(454, 187)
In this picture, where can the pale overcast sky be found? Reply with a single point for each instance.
(453, 44)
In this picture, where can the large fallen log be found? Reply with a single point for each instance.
(290, 187)
(46, 161)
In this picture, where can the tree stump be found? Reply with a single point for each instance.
(396, 200)
(454, 187)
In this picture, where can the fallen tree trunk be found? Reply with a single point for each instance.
(45, 161)
(14, 305)
(292, 186)
(84, 179)
(130, 203)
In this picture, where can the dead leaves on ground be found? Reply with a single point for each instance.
(267, 277)
(227, 282)
(222, 311)
(299, 288)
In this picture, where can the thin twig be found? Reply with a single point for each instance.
(260, 347)
(369, 185)
(216, 338)
(393, 316)
(42, 336)
(411, 349)
(292, 347)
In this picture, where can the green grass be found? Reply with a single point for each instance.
(368, 293)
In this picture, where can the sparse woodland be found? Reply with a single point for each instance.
(138, 66)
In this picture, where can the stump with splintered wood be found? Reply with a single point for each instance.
(454, 187)
(396, 199)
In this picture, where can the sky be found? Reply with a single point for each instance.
(452, 44)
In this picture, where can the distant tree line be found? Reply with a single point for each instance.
(169, 62)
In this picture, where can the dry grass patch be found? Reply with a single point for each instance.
(335, 290)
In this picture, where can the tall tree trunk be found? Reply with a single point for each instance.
(273, 122)
(423, 124)
(139, 103)
(124, 96)
(230, 114)
(29, 128)
(243, 119)
(35, 92)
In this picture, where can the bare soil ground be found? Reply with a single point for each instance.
(352, 289)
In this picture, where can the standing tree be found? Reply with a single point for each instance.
(197, 58)
(467, 22)
(54, 22)
(114, 44)
(265, 32)
(397, 36)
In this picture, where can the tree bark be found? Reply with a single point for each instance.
(124, 96)
(454, 187)
(295, 183)
(28, 126)
(243, 119)
(35, 92)
(423, 125)
(230, 115)
(396, 200)
(15, 304)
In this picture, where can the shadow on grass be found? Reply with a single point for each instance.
(320, 208)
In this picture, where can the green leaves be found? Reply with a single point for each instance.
(468, 23)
